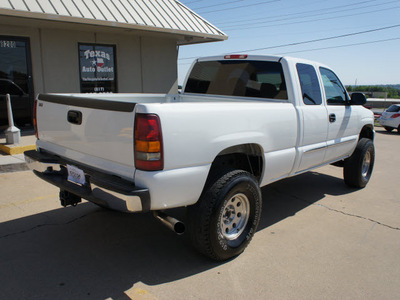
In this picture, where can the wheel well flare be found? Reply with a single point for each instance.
(247, 157)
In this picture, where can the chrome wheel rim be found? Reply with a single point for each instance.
(366, 164)
(234, 217)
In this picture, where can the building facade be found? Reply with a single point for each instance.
(69, 46)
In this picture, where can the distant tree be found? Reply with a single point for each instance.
(391, 91)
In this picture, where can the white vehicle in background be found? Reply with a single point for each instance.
(390, 118)
(240, 123)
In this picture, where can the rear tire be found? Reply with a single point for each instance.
(388, 129)
(358, 167)
(226, 216)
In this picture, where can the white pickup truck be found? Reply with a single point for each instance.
(240, 123)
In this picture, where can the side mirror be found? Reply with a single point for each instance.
(358, 99)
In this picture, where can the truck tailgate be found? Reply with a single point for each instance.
(92, 131)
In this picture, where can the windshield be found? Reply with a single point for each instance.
(261, 79)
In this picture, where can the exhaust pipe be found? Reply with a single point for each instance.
(175, 225)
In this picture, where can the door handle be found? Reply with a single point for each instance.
(74, 117)
(332, 118)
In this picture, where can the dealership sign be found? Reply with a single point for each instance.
(97, 66)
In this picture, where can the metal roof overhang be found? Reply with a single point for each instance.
(201, 30)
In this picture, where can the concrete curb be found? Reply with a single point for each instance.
(12, 163)
(11, 155)
(15, 149)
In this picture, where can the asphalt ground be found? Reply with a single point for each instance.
(317, 239)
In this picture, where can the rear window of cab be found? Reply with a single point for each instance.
(260, 79)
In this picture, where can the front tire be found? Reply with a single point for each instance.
(226, 216)
(358, 167)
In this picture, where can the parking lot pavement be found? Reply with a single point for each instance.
(317, 239)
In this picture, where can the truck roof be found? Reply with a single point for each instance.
(258, 57)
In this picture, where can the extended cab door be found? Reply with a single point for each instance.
(313, 119)
(343, 118)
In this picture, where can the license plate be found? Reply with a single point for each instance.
(76, 175)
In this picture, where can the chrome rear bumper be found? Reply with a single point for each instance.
(101, 188)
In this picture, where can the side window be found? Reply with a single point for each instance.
(334, 90)
(310, 88)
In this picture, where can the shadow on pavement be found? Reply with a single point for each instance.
(82, 252)
(285, 198)
(383, 131)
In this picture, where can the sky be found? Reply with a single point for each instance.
(359, 40)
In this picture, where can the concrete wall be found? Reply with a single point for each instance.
(159, 58)
(144, 63)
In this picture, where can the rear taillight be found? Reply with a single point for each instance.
(34, 119)
(395, 116)
(148, 143)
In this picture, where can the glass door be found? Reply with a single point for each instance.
(16, 80)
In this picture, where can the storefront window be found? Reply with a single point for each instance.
(97, 68)
(16, 79)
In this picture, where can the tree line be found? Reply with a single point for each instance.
(393, 91)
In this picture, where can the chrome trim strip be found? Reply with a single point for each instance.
(332, 145)
(343, 142)
(316, 149)
(321, 165)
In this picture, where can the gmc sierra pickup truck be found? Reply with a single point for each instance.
(240, 123)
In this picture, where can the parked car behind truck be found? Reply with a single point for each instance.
(390, 118)
(240, 123)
